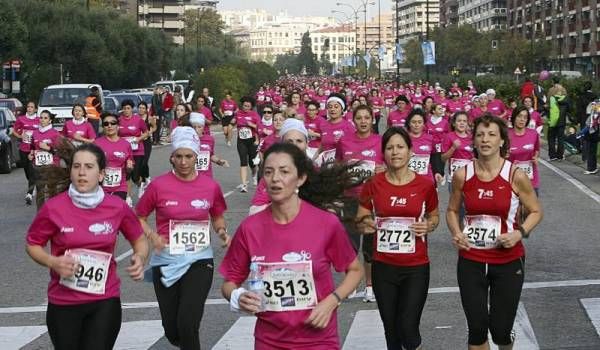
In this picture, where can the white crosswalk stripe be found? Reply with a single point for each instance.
(525, 338)
(239, 337)
(138, 335)
(592, 308)
(366, 332)
(12, 338)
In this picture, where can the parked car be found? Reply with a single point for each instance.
(111, 105)
(59, 99)
(10, 103)
(147, 97)
(120, 97)
(9, 148)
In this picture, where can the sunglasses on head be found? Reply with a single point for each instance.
(109, 123)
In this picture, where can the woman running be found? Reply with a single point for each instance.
(182, 262)
(397, 117)
(405, 210)
(422, 145)
(247, 121)
(133, 129)
(207, 155)
(118, 154)
(82, 226)
(333, 129)
(24, 127)
(297, 308)
(78, 129)
(491, 254)
(151, 124)
(227, 109)
(524, 146)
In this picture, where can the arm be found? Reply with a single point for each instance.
(364, 221)
(218, 224)
(219, 161)
(65, 266)
(155, 239)
(138, 258)
(422, 228)
(452, 217)
(448, 154)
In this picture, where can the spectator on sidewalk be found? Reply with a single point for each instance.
(559, 107)
(582, 103)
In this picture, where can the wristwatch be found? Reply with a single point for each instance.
(524, 233)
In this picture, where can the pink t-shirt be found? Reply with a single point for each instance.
(315, 126)
(523, 148)
(377, 103)
(398, 118)
(438, 131)
(314, 235)
(496, 107)
(464, 151)
(49, 137)
(207, 112)
(242, 118)
(353, 148)
(268, 142)
(535, 120)
(117, 153)
(423, 145)
(388, 97)
(454, 106)
(476, 113)
(265, 130)
(332, 133)
(133, 126)
(207, 144)
(66, 226)
(261, 197)
(84, 129)
(26, 125)
(229, 106)
(176, 199)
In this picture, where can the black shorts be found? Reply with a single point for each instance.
(226, 120)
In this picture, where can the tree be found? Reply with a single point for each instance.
(12, 32)
(219, 79)
(306, 58)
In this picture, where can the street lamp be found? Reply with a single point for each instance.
(361, 8)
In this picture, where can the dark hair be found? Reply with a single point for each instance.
(428, 98)
(401, 98)
(185, 106)
(527, 97)
(142, 103)
(127, 102)
(340, 96)
(50, 114)
(313, 103)
(362, 108)
(227, 92)
(454, 117)
(488, 119)
(413, 113)
(324, 187)
(93, 149)
(516, 112)
(30, 101)
(77, 105)
(394, 130)
(109, 114)
(587, 85)
(249, 100)
(270, 107)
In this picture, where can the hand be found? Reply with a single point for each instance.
(456, 143)
(226, 240)
(158, 242)
(136, 269)
(439, 178)
(421, 228)
(224, 163)
(321, 315)
(534, 160)
(366, 225)
(460, 241)
(129, 164)
(250, 302)
(64, 265)
(510, 239)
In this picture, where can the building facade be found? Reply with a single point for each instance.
(334, 43)
(448, 12)
(483, 15)
(571, 26)
(412, 17)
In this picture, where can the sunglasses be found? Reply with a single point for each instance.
(267, 112)
(109, 123)
(311, 109)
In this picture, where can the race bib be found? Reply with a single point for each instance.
(134, 145)
(188, 236)
(228, 113)
(245, 133)
(27, 136)
(438, 147)
(42, 158)
(261, 97)
(364, 169)
(325, 157)
(482, 230)
(322, 105)
(456, 164)
(395, 236)
(526, 166)
(389, 102)
(419, 163)
(92, 271)
(288, 286)
(203, 161)
(112, 177)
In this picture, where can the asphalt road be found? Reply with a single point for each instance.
(561, 302)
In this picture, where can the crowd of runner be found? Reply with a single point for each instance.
(344, 174)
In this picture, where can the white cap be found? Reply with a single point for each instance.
(483, 95)
(185, 137)
(490, 92)
(197, 118)
(293, 124)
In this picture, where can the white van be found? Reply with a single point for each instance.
(59, 99)
(568, 74)
(171, 84)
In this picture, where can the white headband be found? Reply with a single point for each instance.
(338, 100)
(197, 118)
(185, 137)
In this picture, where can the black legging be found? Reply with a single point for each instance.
(137, 169)
(401, 292)
(29, 173)
(90, 326)
(247, 151)
(145, 170)
(556, 137)
(182, 305)
(503, 282)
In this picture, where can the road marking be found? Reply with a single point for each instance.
(239, 337)
(525, 337)
(588, 191)
(16, 337)
(366, 332)
(228, 194)
(139, 335)
(592, 308)
(220, 301)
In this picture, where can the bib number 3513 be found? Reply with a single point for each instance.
(288, 286)
(92, 271)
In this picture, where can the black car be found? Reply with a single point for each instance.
(9, 148)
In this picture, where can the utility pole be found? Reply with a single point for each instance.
(427, 34)
(365, 38)
(379, 51)
(397, 44)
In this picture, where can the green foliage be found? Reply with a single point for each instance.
(219, 79)
(306, 58)
(12, 31)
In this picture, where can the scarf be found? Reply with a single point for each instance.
(86, 200)
(33, 116)
(45, 128)
(267, 122)
(78, 122)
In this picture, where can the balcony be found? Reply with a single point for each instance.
(585, 47)
(571, 5)
(572, 48)
(571, 27)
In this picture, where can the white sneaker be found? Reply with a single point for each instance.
(590, 172)
(228, 143)
(254, 181)
(28, 199)
(369, 296)
(243, 188)
(129, 201)
(141, 189)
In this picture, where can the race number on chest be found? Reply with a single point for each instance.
(482, 231)
(288, 286)
(395, 236)
(92, 271)
(188, 236)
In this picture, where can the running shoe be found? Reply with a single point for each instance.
(369, 295)
(590, 172)
(254, 180)
(142, 189)
(243, 188)
(129, 201)
(28, 199)
(228, 143)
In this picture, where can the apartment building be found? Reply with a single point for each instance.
(341, 43)
(483, 15)
(412, 17)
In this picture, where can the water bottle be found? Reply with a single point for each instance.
(255, 284)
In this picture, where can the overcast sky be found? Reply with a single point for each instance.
(302, 7)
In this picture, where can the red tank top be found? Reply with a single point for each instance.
(493, 198)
